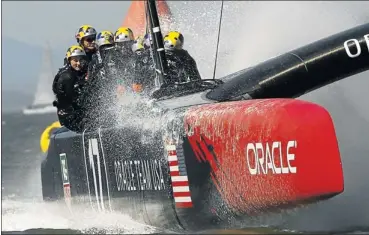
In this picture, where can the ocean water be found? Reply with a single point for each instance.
(21, 154)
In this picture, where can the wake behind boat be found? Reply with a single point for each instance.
(43, 96)
(39, 109)
(224, 150)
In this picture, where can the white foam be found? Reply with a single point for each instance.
(22, 212)
(28, 214)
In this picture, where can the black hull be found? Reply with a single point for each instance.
(120, 154)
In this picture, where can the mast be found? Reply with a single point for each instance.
(158, 44)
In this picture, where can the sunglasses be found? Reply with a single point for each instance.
(80, 59)
(89, 39)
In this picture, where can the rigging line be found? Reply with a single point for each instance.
(149, 31)
(216, 52)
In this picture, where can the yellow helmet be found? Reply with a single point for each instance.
(123, 34)
(75, 50)
(85, 31)
(138, 44)
(173, 40)
(104, 38)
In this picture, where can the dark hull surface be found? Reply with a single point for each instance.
(127, 169)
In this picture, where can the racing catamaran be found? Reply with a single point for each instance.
(228, 149)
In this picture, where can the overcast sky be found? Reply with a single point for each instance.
(35, 22)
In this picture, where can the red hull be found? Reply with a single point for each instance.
(267, 152)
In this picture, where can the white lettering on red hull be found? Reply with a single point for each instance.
(270, 158)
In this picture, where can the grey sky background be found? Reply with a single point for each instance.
(35, 22)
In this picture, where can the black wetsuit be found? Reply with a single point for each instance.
(68, 86)
(127, 63)
(104, 63)
(89, 55)
(102, 81)
(144, 70)
(181, 66)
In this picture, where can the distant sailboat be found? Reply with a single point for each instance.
(44, 96)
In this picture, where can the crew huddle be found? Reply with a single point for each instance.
(102, 66)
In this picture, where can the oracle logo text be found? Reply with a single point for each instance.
(357, 51)
(271, 158)
(139, 175)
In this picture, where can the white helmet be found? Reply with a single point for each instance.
(104, 38)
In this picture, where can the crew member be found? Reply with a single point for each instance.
(181, 66)
(68, 86)
(105, 60)
(85, 36)
(102, 80)
(124, 39)
(144, 68)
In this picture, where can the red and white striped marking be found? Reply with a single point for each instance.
(67, 195)
(181, 189)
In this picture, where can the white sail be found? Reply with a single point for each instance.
(44, 94)
(42, 102)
